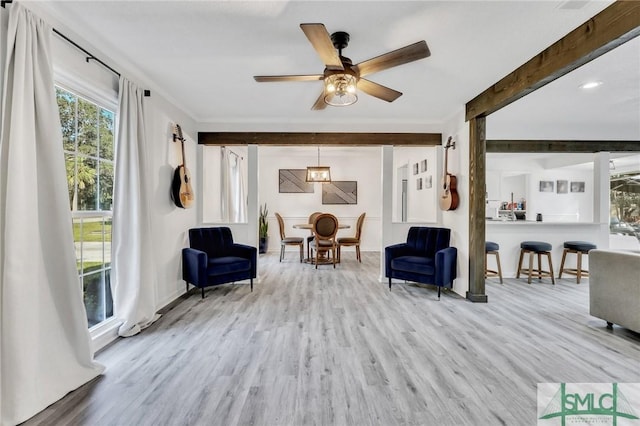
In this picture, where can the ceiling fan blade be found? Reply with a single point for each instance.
(320, 104)
(271, 78)
(378, 90)
(321, 42)
(404, 55)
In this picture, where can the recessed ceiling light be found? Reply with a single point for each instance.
(591, 84)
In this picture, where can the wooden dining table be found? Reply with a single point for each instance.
(309, 226)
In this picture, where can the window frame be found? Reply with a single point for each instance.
(103, 102)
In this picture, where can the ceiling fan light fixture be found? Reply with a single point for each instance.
(340, 89)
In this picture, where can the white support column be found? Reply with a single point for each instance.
(252, 196)
(601, 186)
(601, 196)
(387, 203)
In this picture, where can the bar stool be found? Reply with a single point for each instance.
(492, 248)
(539, 248)
(579, 248)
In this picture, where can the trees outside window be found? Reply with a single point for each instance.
(625, 204)
(88, 142)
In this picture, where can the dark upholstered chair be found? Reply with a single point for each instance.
(425, 258)
(213, 258)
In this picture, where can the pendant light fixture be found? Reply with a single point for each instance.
(318, 173)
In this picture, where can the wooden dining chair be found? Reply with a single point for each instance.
(353, 241)
(288, 241)
(325, 228)
(312, 218)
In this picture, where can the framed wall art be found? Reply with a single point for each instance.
(577, 186)
(428, 181)
(562, 186)
(546, 186)
(423, 166)
(293, 181)
(340, 192)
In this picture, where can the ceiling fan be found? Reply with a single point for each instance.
(342, 78)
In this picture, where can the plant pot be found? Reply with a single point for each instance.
(263, 245)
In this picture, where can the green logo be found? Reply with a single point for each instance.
(583, 407)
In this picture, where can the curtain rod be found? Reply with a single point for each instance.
(227, 149)
(90, 56)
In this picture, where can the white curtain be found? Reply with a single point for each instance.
(45, 347)
(234, 199)
(134, 280)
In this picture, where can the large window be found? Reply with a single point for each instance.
(88, 139)
(625, 204)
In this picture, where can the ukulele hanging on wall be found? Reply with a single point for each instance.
(181, 190)
(449, 198)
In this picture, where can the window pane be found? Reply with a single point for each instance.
(94, 297)
(87, 187)
(77, 239)
(108, 302)
(88, 237)
(70, 165)
(87, 128)
(67, 108)
(106, 185)
(107, 242)
(624, 215)
(106, 134)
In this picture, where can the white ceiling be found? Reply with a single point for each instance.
(202, 55)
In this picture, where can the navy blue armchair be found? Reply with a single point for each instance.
(425, 258)
(213, 258)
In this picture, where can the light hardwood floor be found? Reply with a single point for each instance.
(336, 347)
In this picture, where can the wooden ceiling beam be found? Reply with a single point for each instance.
(615, 25)
(350, 139)
(560, 146)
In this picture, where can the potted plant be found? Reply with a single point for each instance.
(263, 229)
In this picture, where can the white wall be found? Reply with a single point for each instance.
(169, 223)
(554, 207)
(458, 220)
(522, 173)
(421, 204)
(361, 164)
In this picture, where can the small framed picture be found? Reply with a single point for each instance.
(562, 186)
(577, 186)
(428, 181)
(423, 166)
(546, 186)
(419, 184)
(415, 168)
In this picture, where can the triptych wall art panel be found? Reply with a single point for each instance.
(293, 180)
(340, 192)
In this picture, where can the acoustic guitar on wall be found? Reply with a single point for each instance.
(449, 198)
(181, 190)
